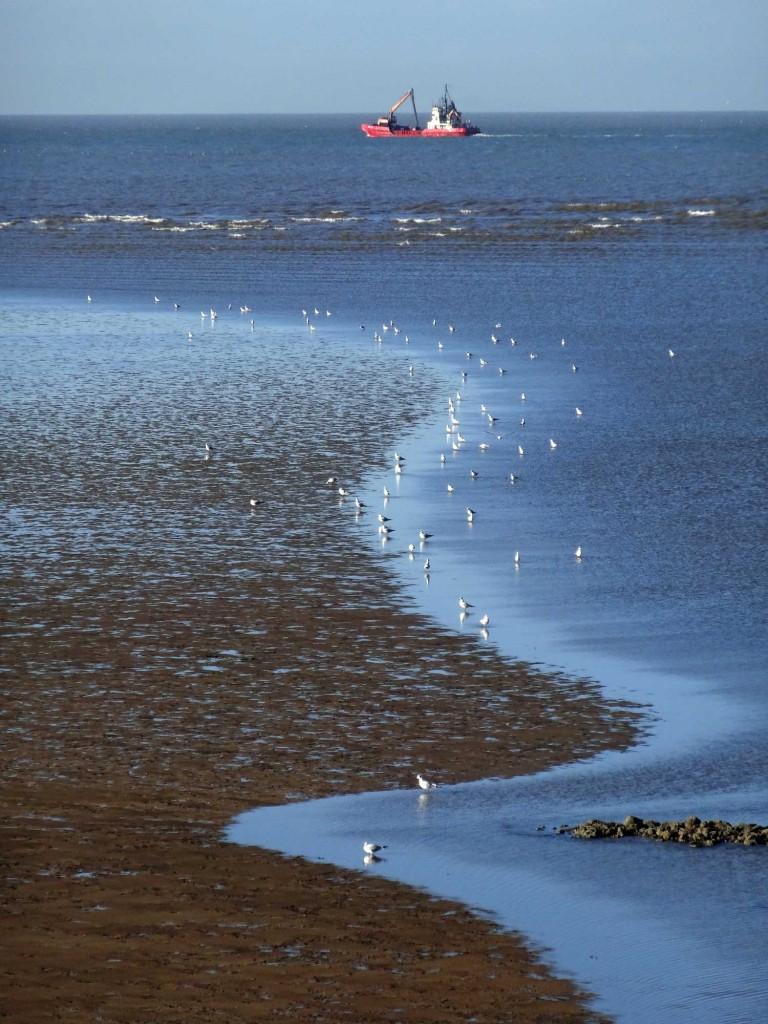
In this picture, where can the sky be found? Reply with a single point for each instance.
(360, 56)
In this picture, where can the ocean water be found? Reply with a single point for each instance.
(624, 237)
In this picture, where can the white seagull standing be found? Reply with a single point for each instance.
(465, 604)
(470, 514)
(485, 621)
(425, 783)
(372, 848)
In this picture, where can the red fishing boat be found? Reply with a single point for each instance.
(446, 122)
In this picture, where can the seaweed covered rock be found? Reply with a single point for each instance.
(692, 831)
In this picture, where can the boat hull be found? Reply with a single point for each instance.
(377, 131)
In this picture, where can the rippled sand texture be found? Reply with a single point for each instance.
(171, 657)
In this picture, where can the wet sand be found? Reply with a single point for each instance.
(145, 706)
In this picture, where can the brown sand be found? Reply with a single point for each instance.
(135, 728)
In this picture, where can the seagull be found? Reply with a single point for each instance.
(426, 565)
(517, 558)
(89, 298)
(520, 450)
(343, 492)
(464, 605)
(424, 536)
(470, 514)
(450, 488)
(425, 783)
(372, 848)
(513, 478)
(385, 530)
(451, 328)
(672, 353)
(577, 552)
(383, 518)
(484, 446)
(522, 397)
(386, 492)
(473, 473)
(360, 504)
(578, 411)
(331, 481)
(156, 299)
(485, 621)
(552, 443)
(574, 368)
(208, 447)
(254, 502)
(189, 335)
(442, 458)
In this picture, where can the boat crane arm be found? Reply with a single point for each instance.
(391, 115)
(401, 101)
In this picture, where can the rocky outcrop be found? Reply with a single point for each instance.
(692, 831)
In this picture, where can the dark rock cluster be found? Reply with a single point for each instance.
(692, 831)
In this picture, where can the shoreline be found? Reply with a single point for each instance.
(250, 686)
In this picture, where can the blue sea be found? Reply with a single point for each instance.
(592, 292)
